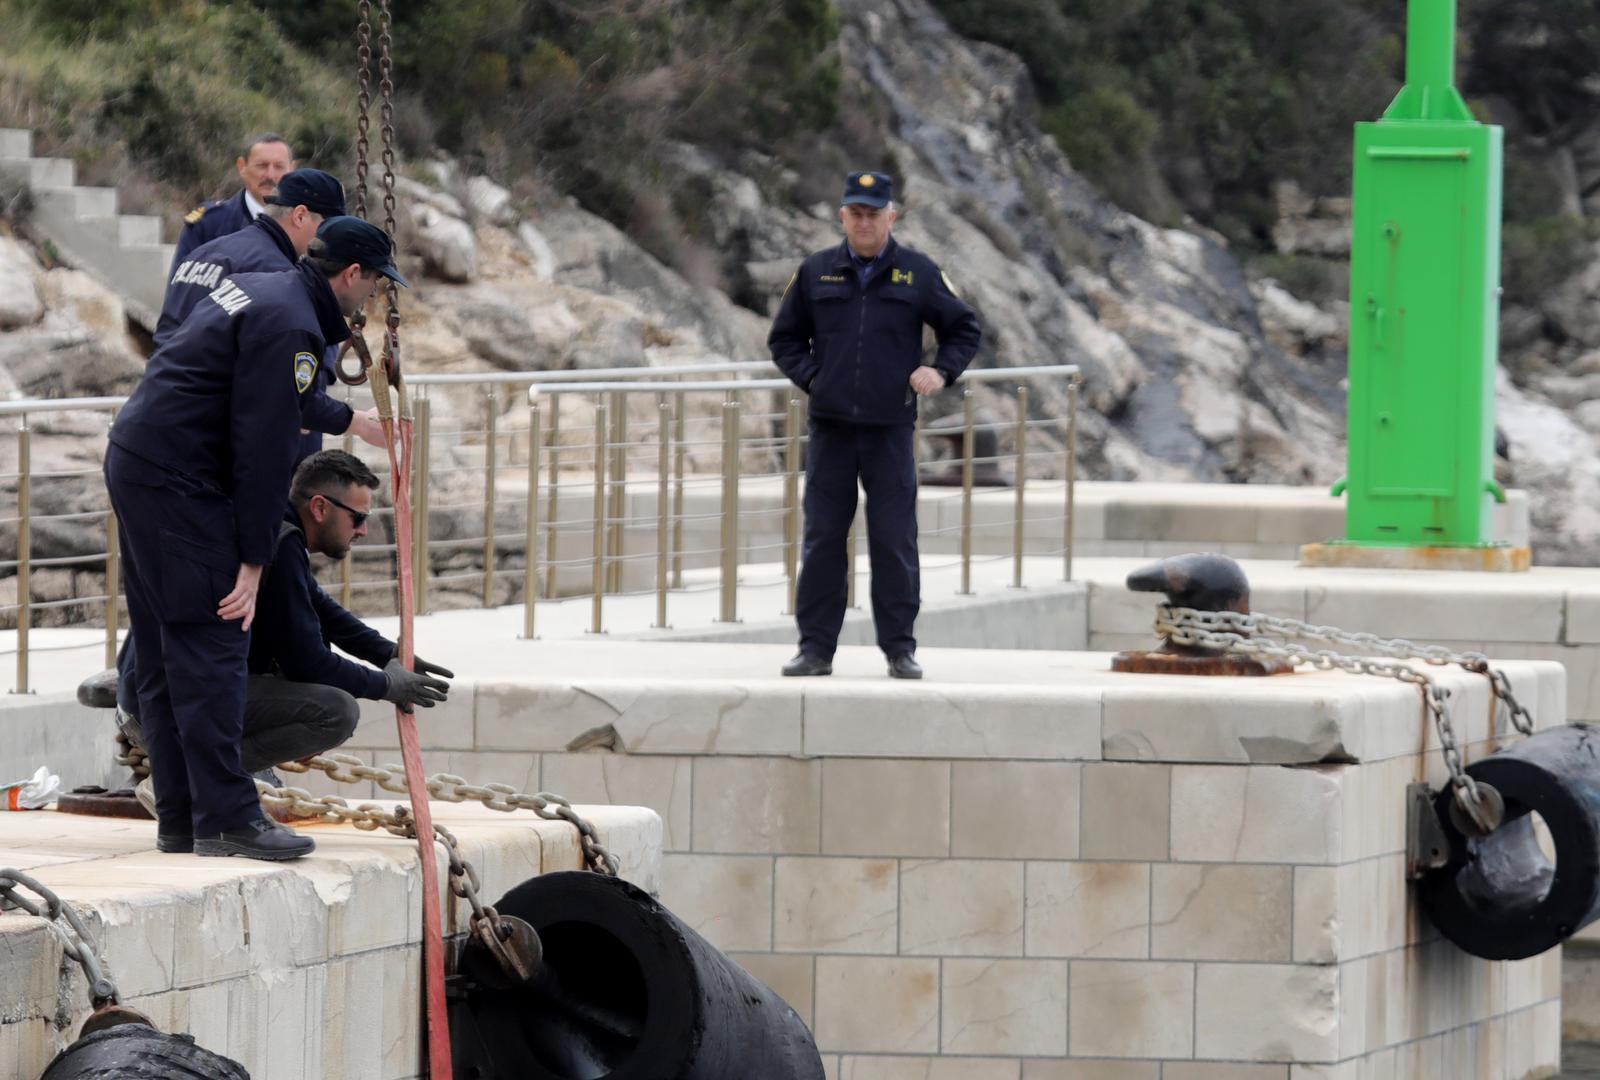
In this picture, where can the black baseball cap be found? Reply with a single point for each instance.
(317, 191)
(351, 240)
(868, 189)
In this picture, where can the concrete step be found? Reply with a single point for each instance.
(40, 173)
(16, 143)
(138, 229)
(83, 202)
(139, 272)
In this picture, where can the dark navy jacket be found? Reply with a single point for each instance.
(207, 222)
(297, 622)
(853, 348)
(258, 247)
(220, 402)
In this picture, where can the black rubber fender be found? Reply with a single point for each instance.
(1499, 896)
(138, 1052)
(626, 991)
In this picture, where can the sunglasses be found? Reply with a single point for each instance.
(357, 518)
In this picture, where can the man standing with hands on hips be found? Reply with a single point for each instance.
(198, 470)
(849, 333)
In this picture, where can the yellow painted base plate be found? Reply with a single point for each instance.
(1497, 559)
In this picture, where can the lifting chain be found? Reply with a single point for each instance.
(1265, 635)
(346, 769)
(78, 945)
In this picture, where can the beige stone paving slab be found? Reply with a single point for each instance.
(823, 905)
(1004, 1007)
(1091, 1070)
(1088, 909)
(1266, 1012)
(988, 800)
(877, 1004)
(1133, 1008)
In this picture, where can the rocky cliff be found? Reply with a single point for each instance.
(1192, 370)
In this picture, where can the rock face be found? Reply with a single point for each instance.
(1191, 371)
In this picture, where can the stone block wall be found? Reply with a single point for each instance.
(308, 970)
(1094, 877)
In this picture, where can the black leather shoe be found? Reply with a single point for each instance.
(904, 666)
(805, 663)
(174, 844)
(261, 839)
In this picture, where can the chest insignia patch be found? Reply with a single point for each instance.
(899, 277)
(305, 371)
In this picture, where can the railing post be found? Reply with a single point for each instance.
(346, 588)
(24, 555)
(530, 560)
(553, 507)
(966, 492)
(850, 564)
(491, 430)
(1069, 525)
(113, 575)
(791, 502)
(1017, 519)
(422, 454)
(680, 425)
(730, 512)
(597, 577)
(619, 490)
(663, 510)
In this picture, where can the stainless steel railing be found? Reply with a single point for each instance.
(626, 480)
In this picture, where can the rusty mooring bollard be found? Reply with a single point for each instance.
(1205, 582)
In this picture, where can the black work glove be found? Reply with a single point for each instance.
(422, 667)
(409, 688)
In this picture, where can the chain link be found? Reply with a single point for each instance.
(78, 946)
(347, 769)
(364, 102)
(1256, 625)
(1235, 632)
(386, 115)
(446, 787)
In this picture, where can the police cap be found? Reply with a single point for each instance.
(313, 189)
(868, 189)
(351, 240)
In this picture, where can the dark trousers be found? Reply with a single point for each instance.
(283, 721)
(881, 459)
(178, 562)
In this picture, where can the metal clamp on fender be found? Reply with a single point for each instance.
(1500, 896)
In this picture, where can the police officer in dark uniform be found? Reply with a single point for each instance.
(302, 201)
(300, 698)
(849, 333)
(265, 161)
(197, 471)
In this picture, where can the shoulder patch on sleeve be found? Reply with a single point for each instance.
(194, 215)
(792, 278)
(305, 371)
(948, 283)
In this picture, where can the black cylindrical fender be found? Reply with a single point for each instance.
(138, 1052)
(625, 991)
(1499, 896)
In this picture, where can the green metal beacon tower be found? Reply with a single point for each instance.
(1424, 319)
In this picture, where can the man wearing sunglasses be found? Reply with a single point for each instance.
(300, 698)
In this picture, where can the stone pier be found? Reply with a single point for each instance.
(308, 970)
(1027, 867)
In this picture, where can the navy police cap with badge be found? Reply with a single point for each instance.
(313, 189)
(351, 240)
(874, 189)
